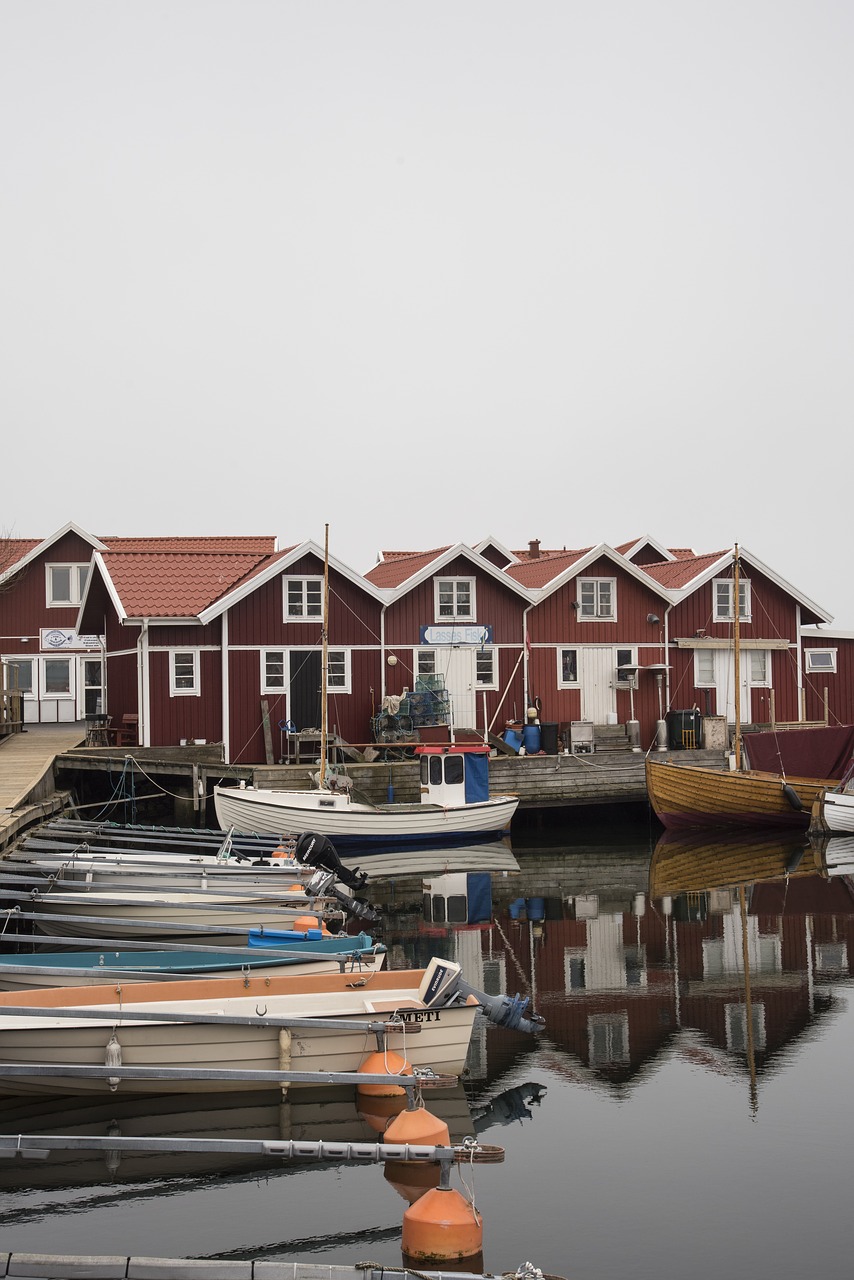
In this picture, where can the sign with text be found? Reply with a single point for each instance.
(456, 634)
(62, 638)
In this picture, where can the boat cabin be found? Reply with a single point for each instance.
(454, 775)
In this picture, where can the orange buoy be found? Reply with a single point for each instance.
(303, 923)
(420, 1128)
(384, 1063)
(295, 888)
(411, 1178)
(441, 1226)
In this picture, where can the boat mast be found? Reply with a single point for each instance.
(324, 660)
(736, 639)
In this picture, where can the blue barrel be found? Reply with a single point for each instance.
(513, 739)
(531, 738)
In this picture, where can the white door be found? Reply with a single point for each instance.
(90, 687)
(459, 667)
(724, 668)
(596, 674)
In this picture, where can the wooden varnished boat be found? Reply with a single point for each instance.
(691, 796)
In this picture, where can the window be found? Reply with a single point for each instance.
(736, 1027)
(821, 660)
(19, 674)
(608, 1039)
(759, 665)
(704, 668)
(65, 584)
(272, 670)
(485, 668)
(425, 662)
(574, 968)
(303, 599)
(338, 671)
(454, 598)
(183, 672)
(567, 667)
(597, 599)
(626, 658)
(723, 600)
(57, 676)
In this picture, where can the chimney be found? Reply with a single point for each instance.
(534, 549)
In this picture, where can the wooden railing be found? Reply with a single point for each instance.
(11, 711)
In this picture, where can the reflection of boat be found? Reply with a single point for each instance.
(780, 795)
(692, 863)
(218, 1024)
(87, 968)
(834, 853)
(327, 1113)
(493, 855)
(455, 807)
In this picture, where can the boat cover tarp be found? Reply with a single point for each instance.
(477, 777)
(823, 752)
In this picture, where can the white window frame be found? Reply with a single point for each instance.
(289, 580)
(15, 660)
(621, 680)
(183, 692)
(417, 655)
(267, 686)
(56, 693)
(827, 669)
(455, 615)
(561, 682)
(77, 577)
(616, 1032)
(700, 681)
(347, 686)
(492, 683)
(766, 681)
(595, 586)
(722, 610)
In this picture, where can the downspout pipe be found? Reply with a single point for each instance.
(226, 718)
(144, 686)
(382, 653)
(525, 688)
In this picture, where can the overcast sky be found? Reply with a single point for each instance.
(557, 270)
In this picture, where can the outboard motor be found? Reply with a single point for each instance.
(322, 885)
(316, 851)
(443, 984)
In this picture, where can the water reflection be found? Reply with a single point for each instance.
(677, 978)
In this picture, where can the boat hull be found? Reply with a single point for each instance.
(687, 797)
(349, 824)
(833, 812)
(441, 1042)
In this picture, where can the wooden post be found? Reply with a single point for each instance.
(826, 705)
(268, 735)
(773, 703)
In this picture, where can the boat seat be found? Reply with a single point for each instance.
(389, 1006)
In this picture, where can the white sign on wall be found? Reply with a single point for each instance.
(52, 638)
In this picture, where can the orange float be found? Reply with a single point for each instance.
(442, 1226)
(384, 1063)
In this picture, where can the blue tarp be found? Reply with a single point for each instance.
(477, 777)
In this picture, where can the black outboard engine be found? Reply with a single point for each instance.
(316, 851)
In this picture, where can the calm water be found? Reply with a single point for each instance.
(647, 1131)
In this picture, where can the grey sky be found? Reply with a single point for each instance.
(574, 271)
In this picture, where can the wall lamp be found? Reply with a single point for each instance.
(653, 617)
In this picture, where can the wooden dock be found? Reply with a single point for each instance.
(27, 784)
(41, 1266)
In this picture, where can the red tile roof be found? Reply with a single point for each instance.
(177, 584)
(547, 566)
(396, 566)
(14, 549)
(257, 545)
(675, 574)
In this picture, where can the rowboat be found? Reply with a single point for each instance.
(402, 1000)
(167, 915)
(298, 954)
